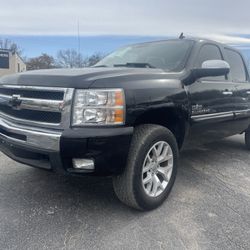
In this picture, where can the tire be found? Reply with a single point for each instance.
(247, 138)
(148, 140)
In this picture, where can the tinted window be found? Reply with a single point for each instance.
(168, 55)
(237, 68)
(210, 52)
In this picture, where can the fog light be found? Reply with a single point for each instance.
(84, 164)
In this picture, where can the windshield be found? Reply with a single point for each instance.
(169, 55)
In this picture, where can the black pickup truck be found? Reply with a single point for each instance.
(129, 115)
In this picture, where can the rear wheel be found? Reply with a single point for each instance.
(151, 168)
(247, 138)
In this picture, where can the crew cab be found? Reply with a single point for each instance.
(129, 115)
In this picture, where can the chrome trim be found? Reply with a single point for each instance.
(104, 107)
(40, 88)
(245, 112)
(230, 114)
(63, 106)
(41, 139)
(66, 112)
(33, 103)
(227, 93)
(212, 116)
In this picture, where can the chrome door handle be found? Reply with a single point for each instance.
(227, 92)
(248, 92)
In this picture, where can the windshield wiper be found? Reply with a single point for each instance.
(135, 65)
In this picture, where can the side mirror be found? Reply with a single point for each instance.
(212, 68)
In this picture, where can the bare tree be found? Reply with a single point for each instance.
(43, 61)
(69, 58)
(8, 44)
(93, 59)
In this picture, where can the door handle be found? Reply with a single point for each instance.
(248, 92)
(228, 92)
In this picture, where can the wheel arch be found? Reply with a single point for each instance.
(175, 119)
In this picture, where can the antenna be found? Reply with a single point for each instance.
(79, 45)
(181, 36)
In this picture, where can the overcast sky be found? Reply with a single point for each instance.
(222, 20)
(128, 17)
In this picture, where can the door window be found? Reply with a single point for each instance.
(210, 52)
(237, 67)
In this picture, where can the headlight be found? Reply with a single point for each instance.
(98, 107)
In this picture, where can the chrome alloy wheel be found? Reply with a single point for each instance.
(157, 168)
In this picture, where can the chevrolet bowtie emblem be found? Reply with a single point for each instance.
(15, 101)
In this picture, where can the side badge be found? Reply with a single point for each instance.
(199, 110)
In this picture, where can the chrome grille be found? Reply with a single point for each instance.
(36, 106)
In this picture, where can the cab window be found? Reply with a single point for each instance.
(237, 67)
(210, 52)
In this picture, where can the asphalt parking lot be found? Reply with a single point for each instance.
(209, 207)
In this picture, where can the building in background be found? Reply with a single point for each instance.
(10, 63)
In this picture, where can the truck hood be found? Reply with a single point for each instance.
(85, 77)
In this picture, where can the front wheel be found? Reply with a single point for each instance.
(151, 168)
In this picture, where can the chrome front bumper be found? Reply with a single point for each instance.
(42, 139)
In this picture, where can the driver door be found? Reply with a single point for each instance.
(212, 101)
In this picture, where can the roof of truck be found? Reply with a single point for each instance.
(195, 39)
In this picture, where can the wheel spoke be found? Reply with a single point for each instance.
(148, 164)
(163, 171)
(147, 168)
(155, 153)
(156, 185)
(159, 150)
(165, 150)
(149, 185)
(165, 158)
(147, 179)
(168, 168)
(149, 159)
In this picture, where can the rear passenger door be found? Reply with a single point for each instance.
(239, 77)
